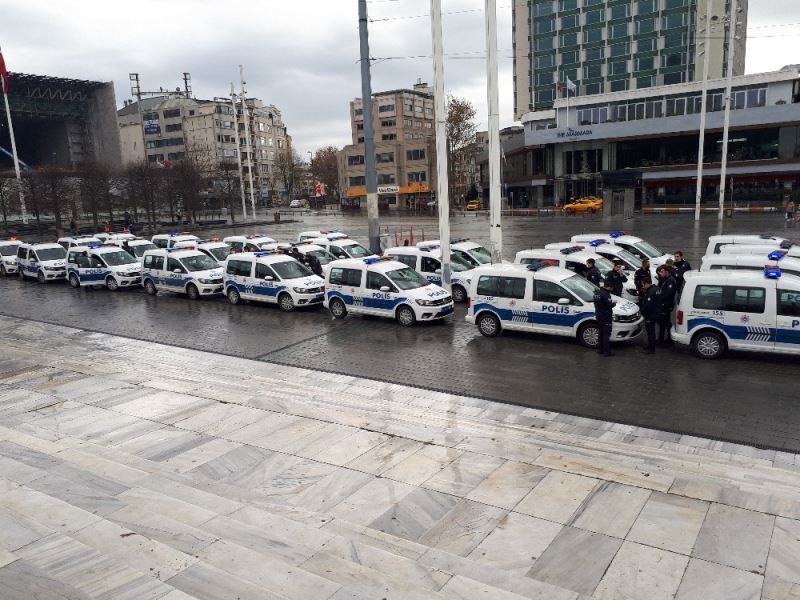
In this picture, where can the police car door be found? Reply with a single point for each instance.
(239, 274)
(431, 268)
(345, 284)
(749, 322)
(174, 273)
(266, 283)
(554, 308)
(787, 332)
(381, 296)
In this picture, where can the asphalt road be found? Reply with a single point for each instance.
(743, 398)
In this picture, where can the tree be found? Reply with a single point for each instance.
(288, 164)
(9, 197)
(228, 186)
(144, 188)
(461, 131)
(95, 191)
(58, 193)
(325, 169)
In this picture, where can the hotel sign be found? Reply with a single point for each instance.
(574, 133)
(388, 189)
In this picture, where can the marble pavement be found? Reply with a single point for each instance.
(131, 470)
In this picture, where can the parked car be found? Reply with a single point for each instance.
(474, 205)
(584, 205)
(295, 204)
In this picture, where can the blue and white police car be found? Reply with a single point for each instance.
(214, 249)
(791, 250)
(630, 262)
(789, 265)
(549, 300)
(386, 288)
(473, 253)
(8, 256)
(341, 246)
(135, 247)
(168, 240)
(428, 262)
(738, 310)
(248, 243)
(717, 242)
(79, 240)
(184, 271)
(107, 265)
(304, 236)
(45, 262)
(635, 245)
(273, 278)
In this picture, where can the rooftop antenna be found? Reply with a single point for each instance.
(187, 84)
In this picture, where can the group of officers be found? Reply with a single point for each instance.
(656, 299)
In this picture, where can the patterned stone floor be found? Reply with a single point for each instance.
(134, 470)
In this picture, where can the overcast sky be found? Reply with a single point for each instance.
(301, 55)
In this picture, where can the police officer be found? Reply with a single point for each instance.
(640, 274)
(681, 266)
(603, 305)
(593, 273)
(314, 264)
(617, 278)
(649, 303)
(667, 287)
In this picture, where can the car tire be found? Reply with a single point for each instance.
(285, 302)
(192, 292)
(589, 335)
(3, 270)
(488, 325)
(337, 308)
(40, 277)
(709, 345)
(21, 273)
(74, 281)
(150, 287)
(112, 284)
(234, 297)
(405, 316)
(459, 294)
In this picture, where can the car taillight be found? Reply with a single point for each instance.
(469, 301)
(679, 318)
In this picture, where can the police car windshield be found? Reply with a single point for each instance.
(291, 269)
(117, 258)
(407, 278)
(581, 287)
(630, 258)
(50, 253)
(8, 250)
(481, 254)
(357, 251)
(603, 264)
(323, 256)
(648, 250)
(201, 262)
(457, 263)
(140, 249)
(220, 253)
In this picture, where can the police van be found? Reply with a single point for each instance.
(739, 249)
(168, 240)
(248, 243)
(269, 277)
(428, 262)
(8, 256)
(80, 240)
(184, 271)
(573, 258)
(135, 247)
(550, 300)
(738, 310)
(214, 249)
(630, 262)
(717, 242)
(97, 265)
(45, 262)
(473, 253)
(382, 287)
(114, 238)
(341, 247)
(789, 265)
(306, 249)
(304, 236)
(635, 245)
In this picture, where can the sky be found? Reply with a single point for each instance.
(300, 55)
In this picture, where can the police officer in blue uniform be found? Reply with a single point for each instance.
(617, 278)
(649, 304)
(603, 305)
(593, 273)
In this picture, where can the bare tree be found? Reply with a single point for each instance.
(228, 186)
(33, 197)
(325, 168)
(144, 188)
(95, 191)
(57, 191)
(9, 197)
(460, 144)
(288, 164)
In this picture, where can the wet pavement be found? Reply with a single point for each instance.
(744, 398)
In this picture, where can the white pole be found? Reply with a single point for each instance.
(495, 193)
(440, 113)
(728, 86)
(247, 145)
(239, 158)
(16, 160)
(701, 145)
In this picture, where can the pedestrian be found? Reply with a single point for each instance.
(106, 228)
(790, 210)
(405, 242)
(592, 272)
(617, 278)
(603, 312)
(681, 266)
(127, 219)
(667, 287)
(648, 301)
(640, 274)
(73, 227)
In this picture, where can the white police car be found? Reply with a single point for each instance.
(45, 262)
(304, 236)
(376, 286)
(185, 271)
(274, 278)
(544, 300)
(248, 243)
(789, 265)
(114, 238)
(308, 249)
(168, 240)
(739, 249)
(428, 262)
(475, 254)
(97, 265)
(342, 247)
(80, 240)
(214, 249)
(635, 245)
(738, 310)
(8, 256)
(135, 247)
(717, 242)
(630, 262)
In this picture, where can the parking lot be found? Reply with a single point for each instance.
(742, 398)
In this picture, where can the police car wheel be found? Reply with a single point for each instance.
(286, 303)
(74, 281)
(337, 308)
(709, 345)
(488, 325)
(459, 294)
(40, 277)
(21, 274)
(589, 335)
(406, 316)
(3, 270)
(112, 284)
(233, 295)
(150, 288)
(192, 292)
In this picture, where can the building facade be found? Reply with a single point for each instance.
(617, 45)
(405, 148)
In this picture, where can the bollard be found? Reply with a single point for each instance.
(277, 216)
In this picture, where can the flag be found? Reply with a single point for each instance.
(3, 73)
(558, 88)
(571, 87)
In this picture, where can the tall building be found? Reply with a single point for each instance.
(616, 45)
(404, 147)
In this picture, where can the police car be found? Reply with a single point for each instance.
(248, 243)
(8, 256)
(544, 300)
(630, 262)
(428, 262)
(135, 247)
(341, 247)
(185, 271)
(216, 250)
(739, 249)
(269, 277)
(114, 238)
(635, 245)
(80, 240)
(316, 233)
(473, 253)
(573, 258)
(789, 265)
(97, 265)
(738, 310)
(168, 240)
(717, 242)
(45, 262)
(376, 286)
(308, 249)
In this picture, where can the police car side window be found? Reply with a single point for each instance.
(502, 287)
(173, 264)
(788, 303)
(547, 291)
(160, 242)
(158, 263)
(341, 276)
(337, 252)
(375, 281)
(251, 248)
(148, 261)
(239, 267)
(22, 253)
(263, 270)
(487, 285)
(407, 259)
(95, 262)
(708, 297)
(751, 300)
(430, 265)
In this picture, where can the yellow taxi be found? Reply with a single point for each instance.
(473, 205)
(589, 204)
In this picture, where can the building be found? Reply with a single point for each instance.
(647, 140)
(268, 139)
(405, 150)
(616, 45)
(60, 122)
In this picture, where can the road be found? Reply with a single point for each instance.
(743, 398)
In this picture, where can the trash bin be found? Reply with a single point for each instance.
(729, 212)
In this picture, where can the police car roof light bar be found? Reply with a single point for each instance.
(93, 246)
(772, 273)
(776, 255)
(371, 261)
(596, 243)
(616, 234)
(571, 249)
(786, 244)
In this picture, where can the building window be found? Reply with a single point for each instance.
(358, 111)
(619, 86)
(569, 21)
(261, 126)
(360, 140)
(647, 6)
(389, 123)
(384, 157)
(618, 68)
(567, 5)
(386, 108)
(674, 21)
(172, 113)
(620, 30)
(280, 143)
(545, 62)
(621, 11)
(593, 35)
(594, 16)
(592, 71)
(673, 78)
(387, 137)
(646, 26)
(544, 26)
(620, 49)
(357, 159)
(570, 57)
(385, 178)
(673, 60)
(174, 127)
(418, 154)
(543, 78)
(544, 43)
(357, 181)
(542, 9)
(544, 97)
(407, 123)
(417, 177)
(648, 45)
(595, 53)
(676, 107)
(150, 116)
(645, 63)
(569, 39)
(593, 88)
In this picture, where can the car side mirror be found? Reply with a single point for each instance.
(563, 301)
(269, 278)
(438, 271)
(176, 271)
(33, 260)
(386, 288)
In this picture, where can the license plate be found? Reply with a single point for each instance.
(318, 298)
(445, 311)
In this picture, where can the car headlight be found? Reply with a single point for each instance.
(9, 261)
(206, 281)
(425, 302)
(300, 290)
(50, 268)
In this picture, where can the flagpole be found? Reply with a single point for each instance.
(16, 158)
